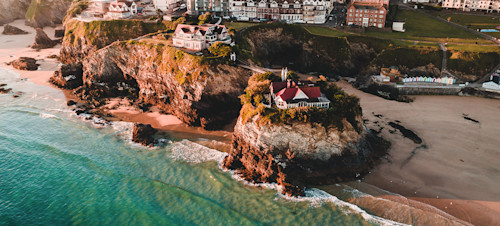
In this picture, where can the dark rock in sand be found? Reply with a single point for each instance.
(69, 76)
(11, 30)
(4, 90)
(71, 103)
(25, 63)
(42, 41)
(59, 33)
(406, 133)
(143, 134)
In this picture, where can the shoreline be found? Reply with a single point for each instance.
(171, 126)
(454, 167)
(14, 46)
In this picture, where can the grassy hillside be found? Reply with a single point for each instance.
(103, 33)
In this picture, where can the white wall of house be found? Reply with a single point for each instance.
(491, 85)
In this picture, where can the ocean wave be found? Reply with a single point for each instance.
(47, 115)
(317, 197)
(191, 152)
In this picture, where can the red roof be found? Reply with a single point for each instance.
(278, 86)
(288, 93)
(312, 92)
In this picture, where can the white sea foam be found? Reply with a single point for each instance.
(191, 152)
(46, 115)
(317, 197)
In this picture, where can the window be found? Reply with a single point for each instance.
(351, 10)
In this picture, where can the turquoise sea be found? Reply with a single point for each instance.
(56, 169)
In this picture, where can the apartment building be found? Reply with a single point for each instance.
(473, 5)
(366, 14)
(299, 11)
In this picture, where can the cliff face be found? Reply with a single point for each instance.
(12, 10)
(43, 13)
(199, 93)
(302, 155)
(291, 45)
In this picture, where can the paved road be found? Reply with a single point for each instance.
(486, 77)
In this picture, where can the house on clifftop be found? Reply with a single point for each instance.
(200, 37)
(290, 94)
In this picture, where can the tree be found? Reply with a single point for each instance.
(292, 75)
(204, 17)
(220, 49)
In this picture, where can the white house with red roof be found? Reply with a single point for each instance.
(121, 9)
(200, 37)
(288, 94)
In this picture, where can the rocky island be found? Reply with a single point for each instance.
(301, 146)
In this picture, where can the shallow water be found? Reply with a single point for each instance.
(56, 169)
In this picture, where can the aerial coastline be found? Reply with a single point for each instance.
(439, 169)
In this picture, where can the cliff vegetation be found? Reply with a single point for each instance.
(342, 106)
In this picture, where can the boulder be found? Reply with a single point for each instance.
(11, 30)
(59, 33)
(42, 41)
(69, 76)
(143, 134)
(25, 64)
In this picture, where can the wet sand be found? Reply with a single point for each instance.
(456, 168)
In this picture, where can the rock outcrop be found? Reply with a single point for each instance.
(42, 13)
(42, 40)
(25, 64)
(199, 93)
(59, 33)
(69, 76)
(12, 10)
(11, 30)
(143, 134)
(302, 155)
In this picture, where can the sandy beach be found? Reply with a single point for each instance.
(456, 168)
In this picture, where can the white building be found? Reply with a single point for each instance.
(398, 26)
(288, 94)
(290, 11)
(121, 9)
(494, 84)
(473, 5)
(200, 37)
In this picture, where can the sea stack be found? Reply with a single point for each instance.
(301, 146)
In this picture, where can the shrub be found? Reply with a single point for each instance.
(220, 49)
(342, 107)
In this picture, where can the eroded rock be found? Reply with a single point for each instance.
(69, 76)
(42, 41)
(144, 134)
(25, 64)
(11, 30)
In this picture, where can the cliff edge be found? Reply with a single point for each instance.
(303, 146)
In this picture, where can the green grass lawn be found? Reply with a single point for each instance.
(419, 27)
(473, 48)
(239, 25)
(325, 31)
(476, 22)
